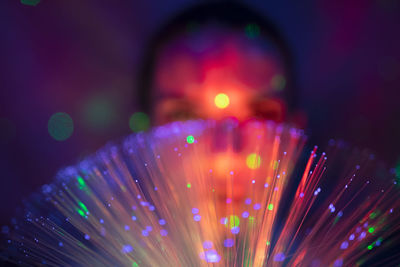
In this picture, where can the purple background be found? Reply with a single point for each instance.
(81, 57)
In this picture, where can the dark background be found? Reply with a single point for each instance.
(80, 57)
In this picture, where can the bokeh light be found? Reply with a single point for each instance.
(60, 126)
(278, 82)
(221, 101)
(99, 113)
(252, 30)
(139, 121)
(232, 221)
(30, 2)
(397, 170)
(190, 139)
(253, 161)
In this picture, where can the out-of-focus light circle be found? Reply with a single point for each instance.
(253, 161)
(278, 82)
(252, 30)
(190, 139)
(221, 101)
(397, 170)
(100, 113)
(139, 121)
(232, 221)
(30, 2)
(210, 256)
(60, 126)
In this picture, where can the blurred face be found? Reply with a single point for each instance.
(216, 73)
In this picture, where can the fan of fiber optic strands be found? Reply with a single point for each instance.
(204, 193)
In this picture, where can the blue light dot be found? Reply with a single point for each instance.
(145, 233)
(196, 217)
(338, 263)
(257, 206)
(247, 201)
(210, 256)
(126, 249)
(195, 210)
(87, 237)
(235, 230)
(126, 227)
(60, 244)
(163, 232)
(161, 222)
(266, 185)
(228, 243)
(245, 214)
(149, 228)
(207, 244)
(279, 257)
(134, 218)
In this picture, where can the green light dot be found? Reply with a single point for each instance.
(251, 220)
(271, 206)
(278, 82)
(81, 182)
(252, 30)
(139, 121)
(30, 2)
(83, 206)
(373, 215)
(275, 164)
(268, 243)
(60, 126)
(81, 212)
(134, 264)
(99, 113)
(397, 171)
(189, 185)
(190, 139)
(371, 230)
(232, 221)
(370, 247)
(253, 161)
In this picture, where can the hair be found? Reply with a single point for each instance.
(228, 14)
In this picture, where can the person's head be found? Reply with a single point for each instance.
(217, 60)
